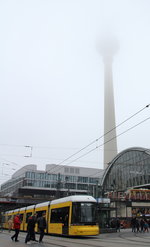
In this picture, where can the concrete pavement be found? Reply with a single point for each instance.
(125, 238)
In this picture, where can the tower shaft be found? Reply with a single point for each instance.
(110, 142)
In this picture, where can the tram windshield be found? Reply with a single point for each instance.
(84, 212)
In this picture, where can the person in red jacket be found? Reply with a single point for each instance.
(17, 224)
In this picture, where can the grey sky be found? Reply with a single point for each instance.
(51, 75)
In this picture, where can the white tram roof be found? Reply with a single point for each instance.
(22, 209)
(78, 198)
(16, 210)
(30, 207)
(42, 204)
(9, 212)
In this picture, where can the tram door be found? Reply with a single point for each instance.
(65, 227)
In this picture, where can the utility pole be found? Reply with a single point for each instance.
(96, 194)
(67, 184)
(58, 186)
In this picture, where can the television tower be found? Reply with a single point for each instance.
(108, 50)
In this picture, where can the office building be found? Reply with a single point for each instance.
(54, 182)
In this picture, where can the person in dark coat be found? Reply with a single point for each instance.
(117, 225)
(41, 226)
(30, 229)
(137, 225)
(142, 225)
(17, 224)
(133, 224)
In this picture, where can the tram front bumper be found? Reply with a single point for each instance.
(84, 230)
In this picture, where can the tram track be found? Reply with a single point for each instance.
(69, 242)
(97, 242)
(111, 240)
(137, 242)
(66, 241)
(121, 239)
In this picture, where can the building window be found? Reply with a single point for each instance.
(47, 185)
(82, 186)
(54, 177)
(66, 169)
(77, 171)
(71, 170)
(32, 175)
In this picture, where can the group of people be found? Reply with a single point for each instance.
(32, 221)
(140, 225)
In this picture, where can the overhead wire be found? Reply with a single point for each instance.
(110, 140)
(80, 150)
(104, 134)
(57, 165)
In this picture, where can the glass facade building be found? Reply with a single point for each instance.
(28, 181)
(130, 168)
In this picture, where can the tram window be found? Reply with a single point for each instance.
(21, 217)
(3, 219)
(40, 213)
(83, 213)
(56, 216)
(27, 216)
(75, 213)
(87, 212)
(59, 215)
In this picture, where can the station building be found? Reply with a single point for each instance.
(126, 182)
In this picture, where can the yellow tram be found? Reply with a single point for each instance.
(72, 216)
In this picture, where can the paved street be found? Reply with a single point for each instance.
(123, 239)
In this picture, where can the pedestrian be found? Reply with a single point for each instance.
(142, 225)
(41, 226)
(137, 225)
(1, 224)
(30, 228)
(113, 223)
(17, 224)
(133, 224)
(117, 225)
(146, 226)
(10, 224)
